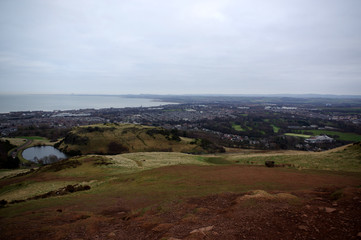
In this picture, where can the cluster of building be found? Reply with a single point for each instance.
(180, 116)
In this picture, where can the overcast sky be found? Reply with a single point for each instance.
(180, 46)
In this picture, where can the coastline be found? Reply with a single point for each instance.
(68, 102)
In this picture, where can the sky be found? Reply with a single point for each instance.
(180, 46)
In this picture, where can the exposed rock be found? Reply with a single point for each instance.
(162, 227)
(202, 230)
(330, 210)
(303, 227)
(260, 194)
(112, 235)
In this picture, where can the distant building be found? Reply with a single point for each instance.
(319, 139)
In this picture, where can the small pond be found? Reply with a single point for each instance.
(43, 154)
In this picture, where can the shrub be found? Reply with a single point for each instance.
(75, 139)
(117, 148)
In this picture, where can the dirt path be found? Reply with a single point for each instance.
(15, 152)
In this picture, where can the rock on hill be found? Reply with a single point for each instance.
(124, 138)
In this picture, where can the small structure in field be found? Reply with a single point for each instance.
(319, 139)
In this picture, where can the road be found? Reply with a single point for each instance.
(14, 153)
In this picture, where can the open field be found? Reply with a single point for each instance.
(32, 138)
(297, 135)
(159, 195)
(237, 127)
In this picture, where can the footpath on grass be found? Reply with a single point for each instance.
(15, 152)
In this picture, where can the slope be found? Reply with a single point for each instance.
(123, 138)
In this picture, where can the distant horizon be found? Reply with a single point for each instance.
(193, 94)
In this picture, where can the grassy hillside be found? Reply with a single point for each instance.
(149, 193)
(346, 158)
(127, 138)
(95, 170)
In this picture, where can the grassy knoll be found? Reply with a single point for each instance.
(297, 135)
(114, 139)
(352, 137)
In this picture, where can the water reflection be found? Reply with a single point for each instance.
(43, 154)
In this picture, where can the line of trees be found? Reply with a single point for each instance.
(7, 161)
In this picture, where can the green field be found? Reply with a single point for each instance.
(237, 127)
(275, 128)
(352, 137)
(33, 138)
(297, 135)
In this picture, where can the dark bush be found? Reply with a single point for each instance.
(117, 148)
(3, 203)
(70, 188)
(96, 129)
(270, 163)
(75, 139)
(72, 152)
(5, 160)
(58, 166)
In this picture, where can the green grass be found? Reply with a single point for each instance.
(352, 137)
(347, 160)
(8, 172)
(33, 138)
(24, 190)
(275, 128)
(297, 135)
(237, 127)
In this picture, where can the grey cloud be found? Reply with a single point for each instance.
(213, 46)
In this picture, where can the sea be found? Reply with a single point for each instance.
(54, 102)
